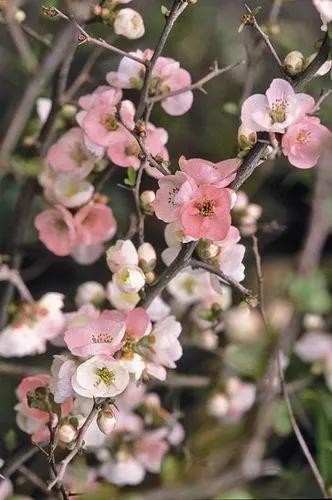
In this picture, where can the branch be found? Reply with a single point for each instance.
(83, 75)
(245, 292)
(215, 72)
(19, 39)
(100, 42)
(13, 276)
(178, 7)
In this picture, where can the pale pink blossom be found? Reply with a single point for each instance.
(120, 299)
(207, 214)
(101, 336)
(123, 149)
(304, 141)
(174, 191)
(71, 191)
(122, 253)
(129, 23)
(130, 279)
(57, 230)
(138, 324)
(277, 109)
(167, 76)
(100, 376)
(324, 8)
(62, 370)
(33, 325)
(87, 254)
(106, 421)
(95, 223)
(90, 292)
(70, 154)
(219, 174)
(237, 398)
(243, 324)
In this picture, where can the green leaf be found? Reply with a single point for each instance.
(164, 10)
(131, 177)
(255, 10)
(310, 293)
(247, 359)
(231, 108)
(10, 440)
(281, 423)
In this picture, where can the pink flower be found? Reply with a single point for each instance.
(57, 230)
(324, 8)
(151, 448)
(70, 154)
(29, 385)
(99, 123)
(219, 174)
(276, 110)
(138, 324)
(100, 336)
(304, 141)
(173, 192)
(167, 76)
(207, 215)
(95, 223)
(123, 149)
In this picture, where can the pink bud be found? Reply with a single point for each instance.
(67, 433)
(106, 421)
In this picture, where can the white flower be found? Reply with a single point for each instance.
(44, 105)
(243, 323)
(120, 299)
(218, 405)
(134, 363)
(90, 292)
(129, 279)
(34, 324)
(129, 23)
(186, 286)
(147, 257)
(158, 309)
(62, 370)
(100, 376)
(125, 470)
(123, 253)
(71, 191)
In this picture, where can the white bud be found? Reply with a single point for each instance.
(313, 322)
(90, 292)
(67, 433)
(218, 405)
(147, 257)
(20, 16)
(130, 279)
(106, 421)
(129, 23)
(246, 137)
(123, 253)
(294, 62)
(207, 249)
(147, 197)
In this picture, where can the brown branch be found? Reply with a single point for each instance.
(214, 73)
(83, 76)
(13, 276)
(100, 42)
(177, 8)
(139, 213)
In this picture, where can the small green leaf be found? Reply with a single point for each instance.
(231, 108)
(255, 10)
(281, 423)
(310, 293)
(242, 25)
(247, 359)
(74, 422)
(10, 440)
(131, 177)
(164, 10)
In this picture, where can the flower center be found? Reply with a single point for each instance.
(303, 137)
(102, 338)
(105, 375)
(78, 154)
(278, 111)
(132, 150)
(130, 343)
(206, 208)
(109, 122)
(60, 225)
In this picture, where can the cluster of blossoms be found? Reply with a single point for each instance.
(287, 115)
(125, 21)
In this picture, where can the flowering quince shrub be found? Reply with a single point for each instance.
(118, 340)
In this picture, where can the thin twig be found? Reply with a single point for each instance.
(19, 38)
(260, 277)
(322, 98)
(82, 77)
(13, 276)
(34, 479)
(98, 41)
(215, 72)
(139, 213)
(177, 8)
(36, 36)
(245, 292)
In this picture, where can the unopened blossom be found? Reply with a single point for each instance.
(147, 257)
(130, 279)
(106, 421)
(243, 324)
(293, 62)
(277, 109)
(324, 8)
(129, 23)
(100, 336)
(146, 199)
(237, 398)
(90, 292)
(246, 214)
(100, 376)
(120, 299)
(95, 223)
(167, 76)
(70, 154)
(67, 433)
(316, 347)
(33, 325)
(230, 256)
(304, 141)
(122, 253)
(207, 214)
(71, 191)
(57, 230)
(246, 137)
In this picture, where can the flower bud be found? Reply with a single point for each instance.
(206, 249)
(246, 137)
(129, 23)
(313, 322)
(67, 433)
(293, 63)
(123, 253)
(147, 198)
(147, 257)
(130, 279)
(68, 111)
(90, 292)
(150, 277)
(19, 16)
(218, 405)
(106, 421)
